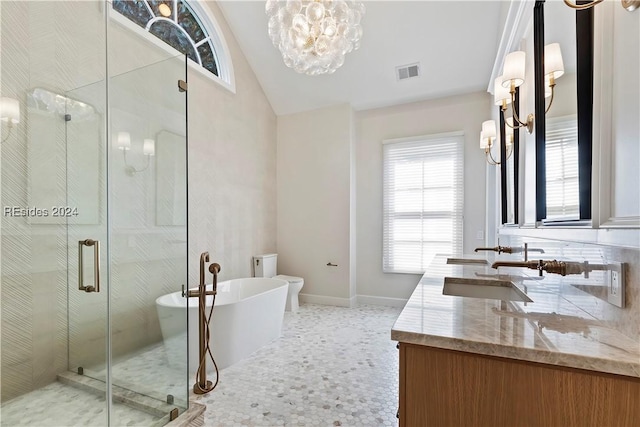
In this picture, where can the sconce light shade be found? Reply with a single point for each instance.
(547, 87)
(484, 141)
(487, 134)
(509, 131)
(149, 147)
(514, 68)
(124, 141)
(10, 110)
(553, 65)
(489, 128)
(500, 93)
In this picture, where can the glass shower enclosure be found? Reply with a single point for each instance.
(94, 224)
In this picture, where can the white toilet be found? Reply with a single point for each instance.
(266, 266)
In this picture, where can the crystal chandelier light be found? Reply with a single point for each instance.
(314, 35)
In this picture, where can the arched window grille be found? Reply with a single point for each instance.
(176, 23)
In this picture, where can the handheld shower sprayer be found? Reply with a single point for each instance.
(214, 269)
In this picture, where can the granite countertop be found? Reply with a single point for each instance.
(563, 325)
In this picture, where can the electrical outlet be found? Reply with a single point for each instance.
(615, 284)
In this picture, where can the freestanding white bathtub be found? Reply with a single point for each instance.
(247, 315)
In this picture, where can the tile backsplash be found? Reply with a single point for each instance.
(625, 320)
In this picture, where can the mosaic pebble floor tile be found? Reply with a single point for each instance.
(332, 366)
(60, 405)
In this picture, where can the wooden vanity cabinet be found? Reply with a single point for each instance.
(452, 388)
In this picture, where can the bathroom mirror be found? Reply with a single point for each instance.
(563, 134)
(171, 175)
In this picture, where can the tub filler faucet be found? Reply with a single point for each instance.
(202, 385)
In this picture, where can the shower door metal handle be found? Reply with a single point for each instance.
(96, 265)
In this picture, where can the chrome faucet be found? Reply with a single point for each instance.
(553, 266)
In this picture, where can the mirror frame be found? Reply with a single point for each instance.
(516, 165)
(584, 87)
(503, 168)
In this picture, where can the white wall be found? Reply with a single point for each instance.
(232, 168)
(313, 174)
(464, 112)
(617, 116)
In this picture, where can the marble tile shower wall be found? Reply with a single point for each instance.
(626, 320)
(43, 45)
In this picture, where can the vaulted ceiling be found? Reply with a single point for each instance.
(455, 43)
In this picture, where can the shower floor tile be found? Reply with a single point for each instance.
(60, 405)
(332, 366)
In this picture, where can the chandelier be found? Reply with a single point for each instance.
(314, 35)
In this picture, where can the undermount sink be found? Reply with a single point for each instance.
(481, 288)
(467, 261)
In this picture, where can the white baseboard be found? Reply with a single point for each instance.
(353, 301)
(325, 300)
(390, 302)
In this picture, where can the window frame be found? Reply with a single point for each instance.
(457, 213)
(226, 76)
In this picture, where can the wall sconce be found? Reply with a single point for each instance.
(123, 141)
(488, 136)
(9, 114)
(630, 5)
(512, 77)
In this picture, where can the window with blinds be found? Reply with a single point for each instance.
(423, 200)
(561, 147)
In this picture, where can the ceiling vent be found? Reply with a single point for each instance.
(407, 71)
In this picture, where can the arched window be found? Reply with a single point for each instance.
(185, 27)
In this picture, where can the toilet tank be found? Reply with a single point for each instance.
(265, 265)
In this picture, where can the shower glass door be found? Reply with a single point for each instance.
(148, 232)
(85, 212)
(127, 238)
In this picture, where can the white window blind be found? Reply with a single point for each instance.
(561, 147)
(423, 201)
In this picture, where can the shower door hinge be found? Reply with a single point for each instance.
(173, 414)
(182, 86)
(67, 117)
